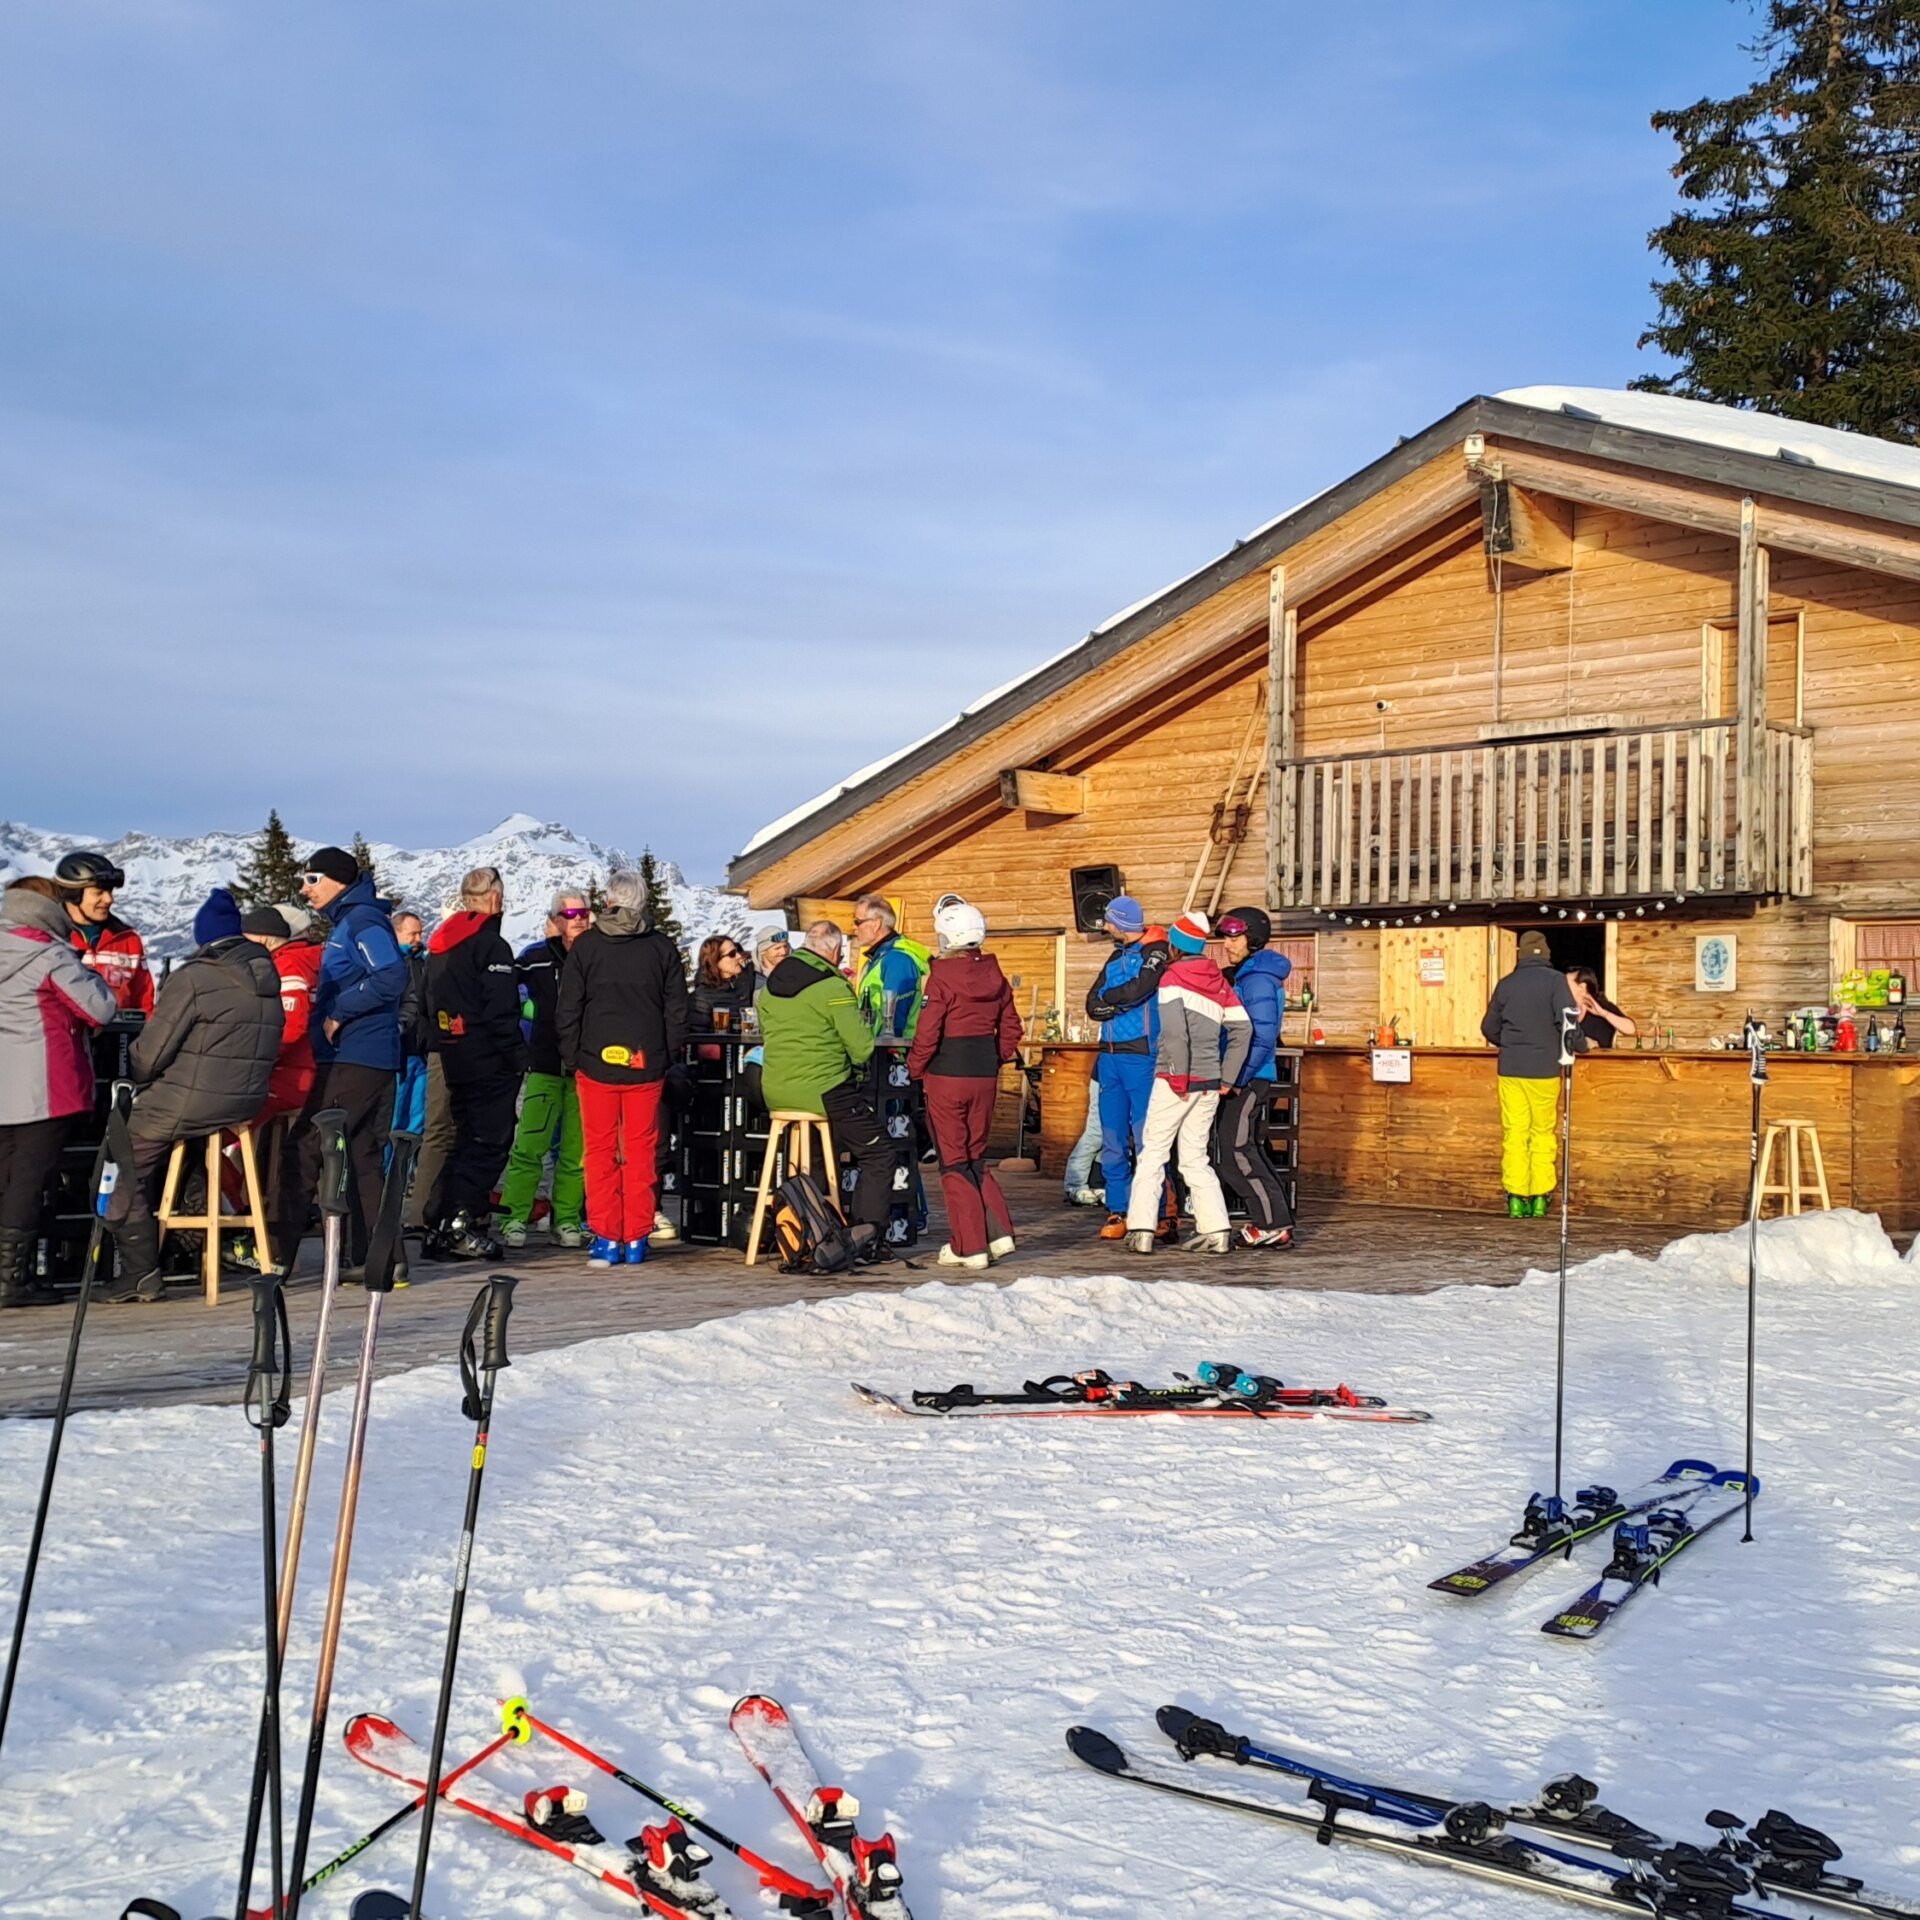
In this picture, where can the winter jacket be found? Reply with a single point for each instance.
(363, 979)
(813, 1033)
(473, 991)
(416, 1023)
(968, 1023)
(539, 967)
(1124, 997)
(1523, 1019)
(898, 966)
(117, 954)
(622, 1017)
(736, 994)
(1205, 1034)
(206, 1057)
(50, 1003)
(298, 965)
(1260, 984)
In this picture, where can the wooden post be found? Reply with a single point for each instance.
(1283, 643)
(1750, 749)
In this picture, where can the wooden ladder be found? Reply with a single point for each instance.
(1232, 814)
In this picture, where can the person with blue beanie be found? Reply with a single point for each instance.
(1122, 1002)
(218, 919)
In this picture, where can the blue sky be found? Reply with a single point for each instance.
(641, 414)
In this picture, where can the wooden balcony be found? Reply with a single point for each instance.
(1614, 816)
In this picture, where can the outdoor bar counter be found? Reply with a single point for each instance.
(1657, 1136)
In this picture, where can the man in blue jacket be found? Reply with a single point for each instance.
(1241, 1128)
(356, 1050)
(1122, 1001)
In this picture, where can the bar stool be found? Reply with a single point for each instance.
(1793, 1190)
(792, 1134)
(214, 1222)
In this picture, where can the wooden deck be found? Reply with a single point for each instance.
(182, 1351)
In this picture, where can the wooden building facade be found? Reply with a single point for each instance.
(1642, 672)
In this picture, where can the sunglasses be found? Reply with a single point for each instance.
(732, 953)
(573, 913)
(312, 879)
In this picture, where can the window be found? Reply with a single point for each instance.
(1720, 668)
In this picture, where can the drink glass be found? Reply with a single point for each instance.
(723, 1019)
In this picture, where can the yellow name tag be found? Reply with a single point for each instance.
(616, 1056)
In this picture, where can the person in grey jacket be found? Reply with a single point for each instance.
(202, 1063)
(50, 1006)
(1531, 1010)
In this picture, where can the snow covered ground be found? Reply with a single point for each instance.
(673, 1519)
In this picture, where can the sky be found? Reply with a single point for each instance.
(641, 414)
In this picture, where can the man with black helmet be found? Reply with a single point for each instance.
(87, 882)
(1242, 1126)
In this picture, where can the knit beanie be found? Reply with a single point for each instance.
(1189, 934)
(269, 922)
(336, 863)
(1533, 946)
(219, 919)
(1126, 914)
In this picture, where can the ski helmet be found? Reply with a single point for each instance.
(82, 869)
(1251, 921)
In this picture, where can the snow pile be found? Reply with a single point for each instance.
(168, 879)
(673, 1519)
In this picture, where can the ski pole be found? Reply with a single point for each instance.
(113, 1162)
(1568, 1016)
(516, 1714)
(483, 1352)
(381, 1248)
(268, 1402)
(1759, 1075)
(331, 1125)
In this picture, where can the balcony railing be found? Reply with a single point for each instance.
(1603, 816)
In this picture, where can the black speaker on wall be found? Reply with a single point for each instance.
(1093, 888)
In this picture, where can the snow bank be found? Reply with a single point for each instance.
(676, 1518)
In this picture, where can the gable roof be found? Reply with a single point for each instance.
(1695, 439)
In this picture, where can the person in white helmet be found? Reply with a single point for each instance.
(968, 1030)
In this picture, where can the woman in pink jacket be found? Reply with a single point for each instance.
(50, 1006)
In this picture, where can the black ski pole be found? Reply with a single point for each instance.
(113, 1163)
(382, 1248)
(331, 1125)
(483, 1352)
(1568, 1017)
(1759, 1074)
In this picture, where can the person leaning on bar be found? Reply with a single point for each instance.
(1529, 1011)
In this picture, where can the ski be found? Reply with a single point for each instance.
(1684, 1883)
(1550, 1526)
(1643, 1548)
(379, 1904)
(657, 1869)
(1096, 1394)
(865, 1873)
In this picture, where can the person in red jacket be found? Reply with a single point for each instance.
(298, 964)
(969, 1029)
(104, 942)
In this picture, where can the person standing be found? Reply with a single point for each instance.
(1531, 1015)
(1123, 1001)
(893, 970)
(416, 1030)
(356, 1051)
(1242, 1127)
(1600, 1020)
(817, 1045)
(1205, 1037)
(968, 1030)
(473, 992)
(622, 1018)
(723, 976)
(87, 882)
(50, 1007)
(550, 1102)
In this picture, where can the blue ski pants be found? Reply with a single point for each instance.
(1126, 1085)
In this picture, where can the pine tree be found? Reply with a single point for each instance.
(363, 858)
(1796, 283)
(271, 873)
(660, 900)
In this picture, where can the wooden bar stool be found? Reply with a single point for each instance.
(1793, 1190)
(214, 1222)
(790, 1140)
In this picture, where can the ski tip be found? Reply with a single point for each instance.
(1689, 1469)
(380, 1905)
(757, 1707)
(1096, 1749)
(1173, 1721)
(1736, 1480)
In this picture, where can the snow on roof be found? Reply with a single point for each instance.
(1739, 429)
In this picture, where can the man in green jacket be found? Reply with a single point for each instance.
(816, 1043)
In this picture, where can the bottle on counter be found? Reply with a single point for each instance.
(1810, 1034)
(1896, 988)
(1790, 1034)
(1873, 1033)
(1900, 1032)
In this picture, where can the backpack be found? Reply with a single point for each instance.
(811, 1236)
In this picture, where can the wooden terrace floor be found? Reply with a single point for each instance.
(181, 1350)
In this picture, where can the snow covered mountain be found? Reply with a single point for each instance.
(168, 879)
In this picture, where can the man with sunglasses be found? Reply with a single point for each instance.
(87, 882)
(550, 1101)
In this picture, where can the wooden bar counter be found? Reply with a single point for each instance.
(1657, 1137)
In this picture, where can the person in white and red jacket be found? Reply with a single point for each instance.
(1204, 1038)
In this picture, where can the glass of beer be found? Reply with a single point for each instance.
(723, 1019)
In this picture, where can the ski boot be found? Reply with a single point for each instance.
(1539, 1204)
(18, 1287)
(636, 1251)
(1518, 1207)
(947, 1257)
(1221, 1242)
(1142, 1241)
(467, 1239)
(606, 1253)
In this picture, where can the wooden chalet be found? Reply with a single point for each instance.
(1634, 670)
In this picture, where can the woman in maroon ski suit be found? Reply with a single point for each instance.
(967, 1031)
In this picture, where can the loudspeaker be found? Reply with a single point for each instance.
(1093, 888)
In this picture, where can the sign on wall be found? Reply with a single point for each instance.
(1715, 962)
(1393, 1065)
(1433, 966)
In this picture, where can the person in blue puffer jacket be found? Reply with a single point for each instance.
(1241, 1127)
(356, 1050)
(1122, 1000)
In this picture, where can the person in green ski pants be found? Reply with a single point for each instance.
(549, 1105)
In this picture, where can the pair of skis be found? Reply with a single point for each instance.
(1652, 1525)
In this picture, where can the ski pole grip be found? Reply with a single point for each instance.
(331, 1125)
(272, 1359)
(499, 1298)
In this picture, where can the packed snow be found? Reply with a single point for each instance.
(674, 1519)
